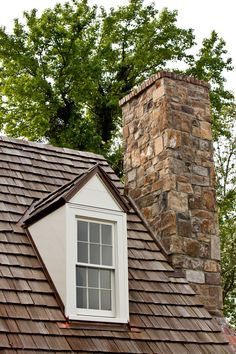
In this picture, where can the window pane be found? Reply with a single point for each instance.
(93, 278)
(105, 279)
(107, 255)
(81, 298)
(82, 252)
(93, 299)
(106, 300)
(81, 276)
(82, 231)
(94, 232)
(94, 254)
(106, 234)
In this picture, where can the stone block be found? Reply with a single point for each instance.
(195, 263)
(131, 175)
(126, 132)
(215, 248)
(158, 145)
(203, 131)
(200, 180)
(201, 171)
(191, 247)
(208, 226)
(135, 193)
(147, 212)
(148, 106)
(186, 124)
(197, 190)
(168, 218)
(172, 139)
(185, 187)
(204, 251)
(183, 179)
(206, 128)
(195, 276)
(211, 266)
(187, 109)
(182, 122)
(195, 201)
(159, 92)
(178, 261)
(169, 230)
(205, 145)
(184, 228)
(176, 245)
(143, 141)
(178, 167)
(213, 278)
(177, 201)
(165, 183)
(209, 200)
(172, 244)
(203, 214)
(203, 237)
(187, 140)
(135, 158)
(149, 151)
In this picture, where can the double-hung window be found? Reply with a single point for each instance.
(95, 267)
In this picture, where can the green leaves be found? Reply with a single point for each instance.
(225, 162)
(74, 62)
(44, 71)
(210, 65)
(62, 75)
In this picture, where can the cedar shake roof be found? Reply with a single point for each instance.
(165, 316)
(64, 193)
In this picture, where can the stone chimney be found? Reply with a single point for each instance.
(169, 173)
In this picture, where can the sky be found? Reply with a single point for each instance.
(201, 15)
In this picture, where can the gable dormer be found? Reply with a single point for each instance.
(80, 233)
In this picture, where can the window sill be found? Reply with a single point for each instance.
(98, 319)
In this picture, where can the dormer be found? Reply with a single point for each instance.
(80, 232)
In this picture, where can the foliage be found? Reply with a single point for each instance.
(63, 73)
(209, 65)
(226, 180)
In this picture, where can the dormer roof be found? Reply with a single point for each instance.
(65, 193)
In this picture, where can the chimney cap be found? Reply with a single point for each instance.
(159, 75)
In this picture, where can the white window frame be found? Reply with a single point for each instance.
(108, 313)
(120, 308)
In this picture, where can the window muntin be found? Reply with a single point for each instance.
(95, 265)
(93, 288)
(119, 284)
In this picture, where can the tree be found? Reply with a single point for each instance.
(63, 73)
(225, 160)
(210, 64)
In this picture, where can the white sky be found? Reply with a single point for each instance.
(201, 15)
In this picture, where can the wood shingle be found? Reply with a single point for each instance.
(165, 316)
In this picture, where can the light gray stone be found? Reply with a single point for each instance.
(195, 276)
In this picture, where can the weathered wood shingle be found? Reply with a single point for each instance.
(165, 316)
